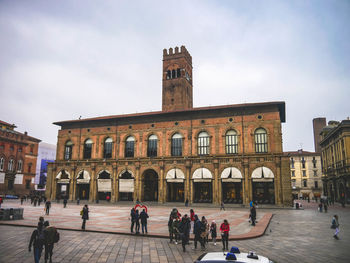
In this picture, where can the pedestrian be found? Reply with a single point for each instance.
(65, 202)
(197, 231)
(325, 207)
(137, 221)
(175, 228)
(143, 217)
(84, 215)
(47, 207)
(51, 236)
(170, 228)
(132, 218)
(41, 220)
(0, 201)
(108, 198)
(78, 201)
(253, 214)
(213, 231)
(22, 199)
(335, 225)
(225, 229)
(39, 200)
(35, 200)
(37, 239)
(192, 218)
(320, 207)
(186, 202)
(184, 229)
(222, 206)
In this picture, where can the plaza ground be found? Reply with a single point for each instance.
(291, 236)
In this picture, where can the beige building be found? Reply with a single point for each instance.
(306, 174)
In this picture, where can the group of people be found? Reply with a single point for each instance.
(180, 228)
(135, 218)
(44, 236)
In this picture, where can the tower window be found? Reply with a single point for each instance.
(168, 74)
(173, 74)
(178, 71)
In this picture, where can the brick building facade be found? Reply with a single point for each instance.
(18, 154)
(230, 153)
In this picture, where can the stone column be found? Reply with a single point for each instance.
(247, 185)
(115, 184)
(278, 185)
(216, 186)
(161, 189)
(74, 184)
(54, 186)
(188, 192)
(92, 187)
(137, 189)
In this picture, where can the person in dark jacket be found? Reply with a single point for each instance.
(184, 229)
(137, 221)
(170, 228)
(253, 214)
(197, 231)
(133, 219)
(143, 217)
(49, 241)
(225, 229)
(37, 239)
(85, 216)
(47, 207)
(65, 202)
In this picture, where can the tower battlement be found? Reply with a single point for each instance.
(176, 53)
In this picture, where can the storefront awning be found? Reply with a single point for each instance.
(231, 174)
(175, 175)
(83, 177)
(262, 174)
(63, 173)
(202, 173)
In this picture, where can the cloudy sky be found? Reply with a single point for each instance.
(63, 59)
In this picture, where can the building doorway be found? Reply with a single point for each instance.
(83, 185)
(175, 192)
(150, 185)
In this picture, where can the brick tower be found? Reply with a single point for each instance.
(177, 80)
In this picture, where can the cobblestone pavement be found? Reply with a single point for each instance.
(115, 218)
(292, 236)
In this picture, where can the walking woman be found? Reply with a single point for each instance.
(85, 216)
(225, 229)
(335, 225)
(213, 231)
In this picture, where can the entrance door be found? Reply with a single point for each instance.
(203, 192)
(232, 192)
(62, 191)
(264, 192)
(150, 186)
(175, 192)
(83, 191)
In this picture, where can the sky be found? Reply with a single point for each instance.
(60, 60)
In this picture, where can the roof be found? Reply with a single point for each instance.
(301, 153)
(194, 111)
(332, 131)
(7, 124)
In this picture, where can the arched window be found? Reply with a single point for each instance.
(129, 146)
(19, 165)
(176, 145)
(87, 149)
(173, 74)
(168, 74)
(107, 151)
(203, 143)
(152, 146)
(260, 140)
(68, 150)
(231, 142)
(178, 73)
(11, 165)
(2, 161)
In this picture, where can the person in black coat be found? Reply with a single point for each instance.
(253, 214)
(37, 239)
(137, 221)
(65, 202)
(85, 216)
(143, 217)
(133, 219)
(197, 231)
(184, 229)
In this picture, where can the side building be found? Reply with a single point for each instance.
(18, 154)
(306, 174)
(230, 153)
(335, 146)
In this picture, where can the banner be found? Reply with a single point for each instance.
(126, 185)
(104, 185)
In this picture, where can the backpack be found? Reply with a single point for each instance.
(52, 236)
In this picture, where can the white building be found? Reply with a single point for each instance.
(46, 153)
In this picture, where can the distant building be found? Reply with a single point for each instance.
(336, 160)
(18, 160)
(46, 154)
(318, 124)
(306, 174)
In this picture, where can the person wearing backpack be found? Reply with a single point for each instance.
(51, 236)
(37, 239)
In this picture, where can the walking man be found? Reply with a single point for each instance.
(47, 207)
(335, 225)
(144, 217)
(196, 231)
(132, 218)
(65, 202)
(37, 239)
(184, 229)
(85, 216)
